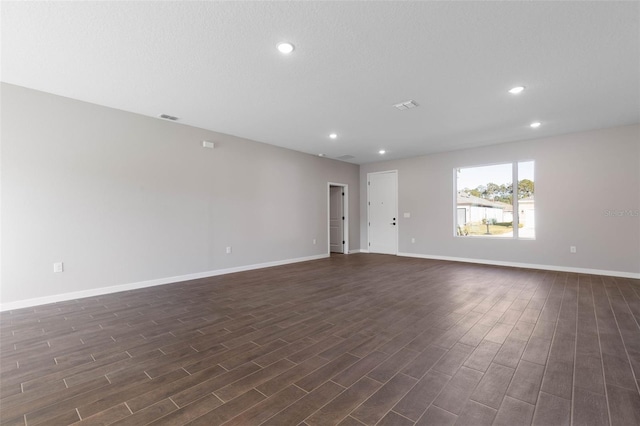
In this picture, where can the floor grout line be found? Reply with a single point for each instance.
(604, 379)
(476, 299)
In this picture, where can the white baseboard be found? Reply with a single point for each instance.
(528, 265)
(27, 303)
(19, 304)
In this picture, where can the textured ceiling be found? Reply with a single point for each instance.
(214, 65)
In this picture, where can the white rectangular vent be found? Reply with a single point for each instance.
(168, 117)
(345, 157)
(406, 105)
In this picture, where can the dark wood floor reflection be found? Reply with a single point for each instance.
(350, 340)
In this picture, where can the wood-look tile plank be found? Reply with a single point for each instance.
(353, 330)
(108, 416)
(552, 410)
(526, 382)
(418, 399)
(537, 350)
(244, 357)
(394, 419)
(49, 404)
(482, 356)
(510, 353)
(174, 388)
(474, 336)
(451, 361)
(326, 372)
(424, 361)
(493, 386)
(378, 404)
(291, 376)
(436, 416)
(514, 412)
(558, 377)
(149, 414)
(237, 388)
(187, 413)
(229, 410)
(192, 393)
(458, 390)
(475, 414)
(267, 408)
(387, 369)
(350, 421)
(353, 373)
(589, 408)
(343, 404)
(305, 406)
(314, 349)
(624, 406)
(57, 417)
(124, 393)
(283, 352)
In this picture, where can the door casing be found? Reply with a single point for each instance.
(345, 209)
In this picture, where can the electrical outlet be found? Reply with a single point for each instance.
(413, 240)
(407, 215)
(228, 250)
(314, 241)
(572, 249)
(58, 267)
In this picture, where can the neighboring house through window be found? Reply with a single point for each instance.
(485, 202)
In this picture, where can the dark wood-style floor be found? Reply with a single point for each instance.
(350, 340)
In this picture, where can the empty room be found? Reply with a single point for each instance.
(320, 213)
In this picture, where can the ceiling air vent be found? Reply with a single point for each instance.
(168, 117)
(406, 105)
(345, 157)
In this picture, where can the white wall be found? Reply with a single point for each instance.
(578, 178)
(123, 198)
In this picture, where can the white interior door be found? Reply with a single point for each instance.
(336, 219)
(383, 212)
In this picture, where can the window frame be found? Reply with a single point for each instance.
(515, 202)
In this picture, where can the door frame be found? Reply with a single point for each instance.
(369, 208)
(345, 211)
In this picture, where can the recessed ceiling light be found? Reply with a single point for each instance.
(382, 151)
(285, 48)
(333, 135)
(516, 90)
(535, 124)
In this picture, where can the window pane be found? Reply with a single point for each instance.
(484, 205)
(526, 205)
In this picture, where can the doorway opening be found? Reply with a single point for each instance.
(338, 217)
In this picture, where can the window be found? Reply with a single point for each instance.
(488, 206)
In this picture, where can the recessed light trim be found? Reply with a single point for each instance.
(333, 135)
(516, 90)
(382, 152)
(285, 48)
(535, 124)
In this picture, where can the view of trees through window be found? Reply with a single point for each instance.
(485, 204)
